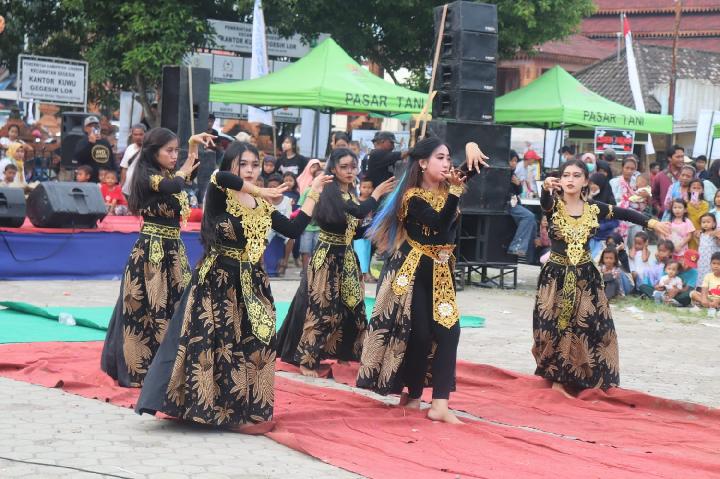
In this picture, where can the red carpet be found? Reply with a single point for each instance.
(655, 438)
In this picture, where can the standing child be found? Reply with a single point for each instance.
(83, 174)
(641, 261)
(709, 295)
(715, 210)
(611, 272)
(275, 250)
(669, 285)
(363, 247)
(290, 180)
(707, 237)
(697, 207)
(9, 175)
(640, 201)
(681, 227)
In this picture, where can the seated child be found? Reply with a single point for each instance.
(688, 275)
(83, 173)
(709, 295)
(9, 175)
(670, 285)
(611, 273)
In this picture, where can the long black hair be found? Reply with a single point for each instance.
(386, 231)
(331, 207)
(215, 199)
(147, 165)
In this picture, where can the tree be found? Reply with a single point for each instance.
(126, 44)
(399, 34)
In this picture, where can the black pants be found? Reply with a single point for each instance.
(424, 330)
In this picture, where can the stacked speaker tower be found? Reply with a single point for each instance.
(464, 108)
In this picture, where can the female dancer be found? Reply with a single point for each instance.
(157, 270)
(575, 344)
(217, 362)
(326, 319)
(414, 328)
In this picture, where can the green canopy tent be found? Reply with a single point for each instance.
(557, 100)
(326, 79)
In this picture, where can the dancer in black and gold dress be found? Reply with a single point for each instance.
(157, 270)
(414, 328)
(217, 362)
(327, 318)
(575, 345)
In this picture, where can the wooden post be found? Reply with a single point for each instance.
(438, 44)
(673, 67)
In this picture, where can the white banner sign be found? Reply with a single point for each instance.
(237, 37)
(52, 80)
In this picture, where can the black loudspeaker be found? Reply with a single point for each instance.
(12, 207)
(469, 16)
(469, 46)
(467, 75)
(494, 140)
(66, 205)
(175, 113)
(464, 105)
(485, 239)
(488, 192)
(70, 134)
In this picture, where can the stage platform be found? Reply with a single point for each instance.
(28, 252)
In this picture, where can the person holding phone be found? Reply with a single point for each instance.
(93, 150)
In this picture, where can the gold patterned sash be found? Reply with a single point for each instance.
(157, 233)
(350, 289)
(261, 312)
(567, 304)
(445, 310)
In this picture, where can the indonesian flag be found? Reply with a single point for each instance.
(634, 78)
(259, 61)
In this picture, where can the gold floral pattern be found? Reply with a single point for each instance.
(154, 279)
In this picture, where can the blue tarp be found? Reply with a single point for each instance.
(73, 255)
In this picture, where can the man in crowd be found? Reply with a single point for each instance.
(566, 153)
(93, 150)
(664, 180)
(380, 162)
(701, 167)
(129, 159)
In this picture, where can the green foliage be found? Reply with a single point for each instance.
(399, 34)
(127, 43)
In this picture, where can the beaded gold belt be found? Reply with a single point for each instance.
(333, 239)
(157, 233)
(351, 291)
(154, 229)
(261, 312)
(569, 288)
(445, 310)
(563, 260)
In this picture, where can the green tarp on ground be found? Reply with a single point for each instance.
(326, 78)
(558, 100)
(27, 323)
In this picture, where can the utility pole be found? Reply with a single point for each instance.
(673, 68)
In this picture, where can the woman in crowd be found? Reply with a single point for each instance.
(575, 344)
(327, 318)
(217, 363)
(414, 329)
(157, 269)
(306, 177)
(290, 160)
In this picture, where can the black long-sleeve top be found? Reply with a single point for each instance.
(359, 211)
(229, 228)
(604, 211)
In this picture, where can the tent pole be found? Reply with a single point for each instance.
(544, 146)
(316, 133)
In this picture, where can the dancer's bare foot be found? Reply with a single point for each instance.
(407, 402)
(311, 373)
(561, 388)
(439, 411)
